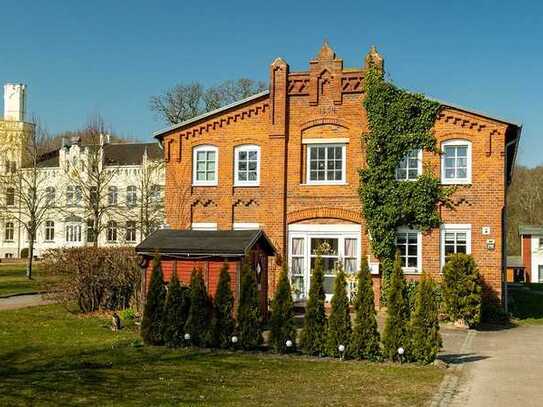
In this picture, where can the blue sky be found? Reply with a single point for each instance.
(82, 58)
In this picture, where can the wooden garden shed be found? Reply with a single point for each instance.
(181, 251)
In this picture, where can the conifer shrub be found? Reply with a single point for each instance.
(313, 335)
(395, 333)
(462, 289)
(154, 307)
(198, 320)
(248, 318)
(365, 341)
(222, 323)
(424, 324)
(176, 309)
(282, 316)
(338, 331)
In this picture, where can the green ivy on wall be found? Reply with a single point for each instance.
(399, 122)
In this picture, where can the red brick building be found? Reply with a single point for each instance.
(286, 160)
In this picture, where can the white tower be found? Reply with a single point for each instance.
(14, 101)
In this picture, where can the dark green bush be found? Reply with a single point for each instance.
(222, 323)
(198, 320)
(282, 316)
(249, 323)
(462, 289)
(154, 307)
(424, 324)
(176, 309)
(365, 341)
(24, 253)
(338, 331)
(395, 334)
(313, 335)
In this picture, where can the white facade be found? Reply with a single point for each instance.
(14, 102)
(536, 258)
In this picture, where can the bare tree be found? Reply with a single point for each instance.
(28, 201)
(185, 101)
(89, 179)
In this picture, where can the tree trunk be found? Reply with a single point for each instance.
(30, 259)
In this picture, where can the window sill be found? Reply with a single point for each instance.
(413, 272)
(455, 182)
(205, 185)
(318, 184)
(246, 185)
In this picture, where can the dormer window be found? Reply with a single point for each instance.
(410, 167)
(456, 162)
(204, 163)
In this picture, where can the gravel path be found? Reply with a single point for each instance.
(22, 301)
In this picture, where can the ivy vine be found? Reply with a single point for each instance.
(399, 122)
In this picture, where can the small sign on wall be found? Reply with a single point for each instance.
(485, 230)
(490, 244)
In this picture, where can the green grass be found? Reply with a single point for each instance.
(527, 305)
(51, 357)
(13, 279)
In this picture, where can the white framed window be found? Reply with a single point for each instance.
(456, 162)
(205, 160)
(130, 231)
(409, 243)
(204, 226)
(410, 167)
(326, 163)
(246, 226)
(111, 232)
(49, 231)
(343, 242)
(9, 231)
(455, 238)
(131, 195)
(112, 195)
(73, 195)
(247, 165)
(73, 232)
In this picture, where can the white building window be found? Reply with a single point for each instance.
(343, 243)
(409, 243)
(247, 165)
(73, 233)
(131, 195)
(455, 239)
(9, 231)
(204, 226)
(111, 232)
(130, 231)
(73, 195)
(10, 196)
(410, 167)
(456, 162)
(112, 195)
(49, 231)
(205, 164)
(326, 163)
(50, 195)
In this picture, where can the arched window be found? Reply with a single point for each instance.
(111, 231)
(456, 162)
(112, 195)
(204, 165)
(130, 231)
(247, 165)
(131, 195)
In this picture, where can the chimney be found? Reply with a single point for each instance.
(14, 102)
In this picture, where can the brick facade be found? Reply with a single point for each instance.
(322, 103)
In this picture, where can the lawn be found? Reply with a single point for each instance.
(13, 279)
(51, 357)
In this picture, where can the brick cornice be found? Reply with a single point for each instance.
(319, 213)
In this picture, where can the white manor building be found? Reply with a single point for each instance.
(131, 203)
